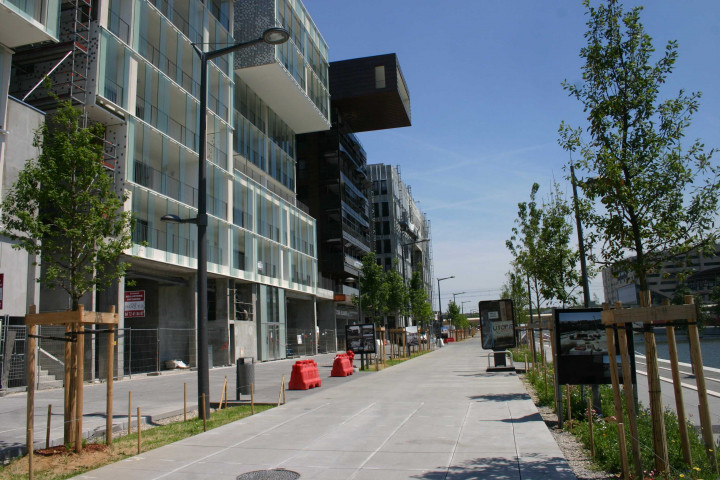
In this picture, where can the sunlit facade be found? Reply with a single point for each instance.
(142, 83)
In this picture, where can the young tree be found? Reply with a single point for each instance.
(420, 309)
(373, 290)
(515, 289)
(397, 292)
(457, 319)
(557, 260)
(64, 209)
(655, 200)
(524, 243)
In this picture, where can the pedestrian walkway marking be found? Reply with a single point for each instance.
(360, 412)
(242, 441)
(459, 436)
(397, 429)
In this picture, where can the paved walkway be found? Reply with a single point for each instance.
(440, 416)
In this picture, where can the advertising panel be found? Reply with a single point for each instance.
(497, 324)
(135, 304)
(411, 336)
(581, 348)
(360, 338)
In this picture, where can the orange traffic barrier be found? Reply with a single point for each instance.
(341, 366)
(304, 375)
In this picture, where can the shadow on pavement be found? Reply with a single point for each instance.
(501, 397)
(481, 468)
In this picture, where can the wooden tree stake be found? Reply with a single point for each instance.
(110, 374)
(30, 441)
(629, 400)
(679, 403)
(47, 432)
(252, 399)
(139, 432)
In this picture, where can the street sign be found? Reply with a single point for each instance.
(135, 304)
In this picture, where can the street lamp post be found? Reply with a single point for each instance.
(271, 36)
(454, 294)
(440, 297)
(402, 252)
(462, 306)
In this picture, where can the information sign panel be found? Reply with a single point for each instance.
(497, 324)
(581, 348)
(360, 338)
(135, 304)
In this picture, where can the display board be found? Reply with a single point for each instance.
(411, 334)
(497, 324)
(581, 348)
(360, 338)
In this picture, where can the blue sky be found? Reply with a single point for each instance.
(485, 86)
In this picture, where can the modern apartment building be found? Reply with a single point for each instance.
(132, 67)
(402, 232)
(703, 276)
(20, 23)
(366, 94)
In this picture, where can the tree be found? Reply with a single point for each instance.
(457, 319)
(64, 208)
(397, 292)
(647, 199)
(556, 258)
(524, 243)
(373, 290)
(420, 309)
(515, 289)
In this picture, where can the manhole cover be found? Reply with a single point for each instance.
(277, 474)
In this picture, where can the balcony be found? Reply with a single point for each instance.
(23, 22)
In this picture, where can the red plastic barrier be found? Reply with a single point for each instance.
(341, 366)
(351, 356)
(304, 375)
(450, 340)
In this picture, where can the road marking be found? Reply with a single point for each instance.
(686, 385)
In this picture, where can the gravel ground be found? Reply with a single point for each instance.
(575, 453)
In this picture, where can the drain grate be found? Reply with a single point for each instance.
(276, 474)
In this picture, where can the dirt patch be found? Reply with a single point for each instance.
(62, 461)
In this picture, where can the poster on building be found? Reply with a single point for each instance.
(581, 346)
(135, 304)
(411, 336)
(360, 338)
(497, 324)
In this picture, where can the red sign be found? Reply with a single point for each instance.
(135, 304)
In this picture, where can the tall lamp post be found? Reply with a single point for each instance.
(455, 294)
(462, 306)
(402, 252)
(271, 36)
(440, 298)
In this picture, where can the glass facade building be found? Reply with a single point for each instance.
(262, 251)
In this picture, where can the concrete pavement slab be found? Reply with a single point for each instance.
(437, 416)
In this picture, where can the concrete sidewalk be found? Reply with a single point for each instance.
(158, 397)
(440, 416)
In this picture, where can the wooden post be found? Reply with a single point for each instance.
(252, 399)
(110, 375)
(222, 393)
(129, 412)
(629, 399)
(590, 426)
(281, 389)
(30, 441)
(72, 394)
(569, 405)
(80, 352)
(526, 364)
(67, 386)
(657, 413)
(202, 406)
(617, 400)
(404, 342)
(139, 431)
(677, 387)
(185, 401)
(552, 349)
(703, 407)
(47, 433)
(623, 451)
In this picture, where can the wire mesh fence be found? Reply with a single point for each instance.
(143, 350)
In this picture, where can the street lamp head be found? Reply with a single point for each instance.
(171, 218)
(275, 36)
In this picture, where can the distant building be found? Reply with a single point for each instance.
(622, 286)
(402, 232)
(366, 94)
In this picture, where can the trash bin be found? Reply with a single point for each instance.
(244, 376)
